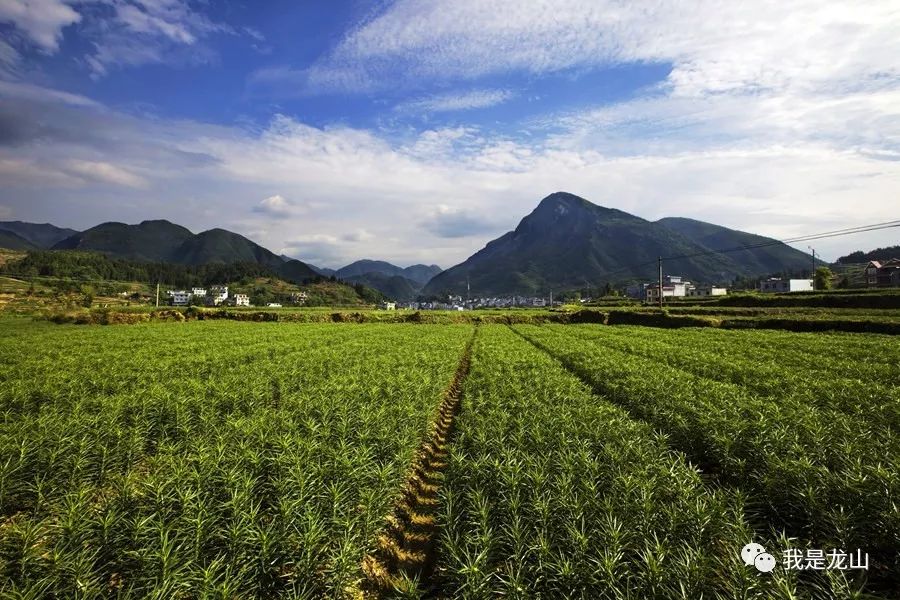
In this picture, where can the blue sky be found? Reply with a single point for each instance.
(416, 131)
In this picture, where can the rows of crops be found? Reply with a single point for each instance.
(236, 460)
(823, 471)
(553, 490)
(225, 459)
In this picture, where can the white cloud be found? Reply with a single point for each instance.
(103, 172)
(9, 58)
(27, 91)
(360, 235)
(274, 206)
(780, 119)
(456, 101)
(714, 47)
(41, 20)
(138, 32)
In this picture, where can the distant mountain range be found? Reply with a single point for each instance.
(39, 235)
(568, 243)
(564, 243)
(163, 241)
(393, 281)
(153, 241)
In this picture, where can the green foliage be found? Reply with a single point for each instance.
(817, 463)
(822, 279)
(206, 459)
(230, 459)
(859, 256)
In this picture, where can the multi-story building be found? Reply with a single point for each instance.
(883, 274)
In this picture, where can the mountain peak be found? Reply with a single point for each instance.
(563, 200)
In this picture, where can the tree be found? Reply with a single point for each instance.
(823, 278)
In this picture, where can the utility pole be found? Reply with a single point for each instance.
(551, 298)
(157, 294)
(659, 264)
(813, 277)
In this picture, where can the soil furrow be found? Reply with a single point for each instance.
(405, 551)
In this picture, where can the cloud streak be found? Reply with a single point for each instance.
(42, 21)
(456, 101)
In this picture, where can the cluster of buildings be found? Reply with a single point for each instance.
(883, 273)
(217, 295)
(674, 286)
(460, 303)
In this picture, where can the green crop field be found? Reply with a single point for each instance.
(229, 459)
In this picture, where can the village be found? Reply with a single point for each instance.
(218, 295)
(876, 274)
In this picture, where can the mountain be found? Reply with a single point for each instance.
(878, 254)
(767, 257)
(221, 246)
(568, 242)
(396, 287)
(323, 271)
(154, 241)
(12, 241)
(395, 282)
(421, 274)
(41, 235)
(162, 241)
(361, 267)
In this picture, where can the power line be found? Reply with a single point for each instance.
(805, 238)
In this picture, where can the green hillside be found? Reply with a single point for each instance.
(764, 255)
(148, 240)
(12, 241)
(41, 235)
(570, 243)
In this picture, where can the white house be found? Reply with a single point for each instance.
(778, 285)
(180, 297)
(674, 286)
(241, 300)
(389, 306)
(217, 294)
(707, 291)
(198, 291)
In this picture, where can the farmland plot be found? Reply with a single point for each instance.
(813, 471)
(222, 459)
(551, 491)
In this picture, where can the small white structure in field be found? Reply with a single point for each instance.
(241, 300)
(273, 305)
(708, 291)
(388, 305)
(778, 285)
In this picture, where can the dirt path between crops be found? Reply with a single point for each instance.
(404, 559)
